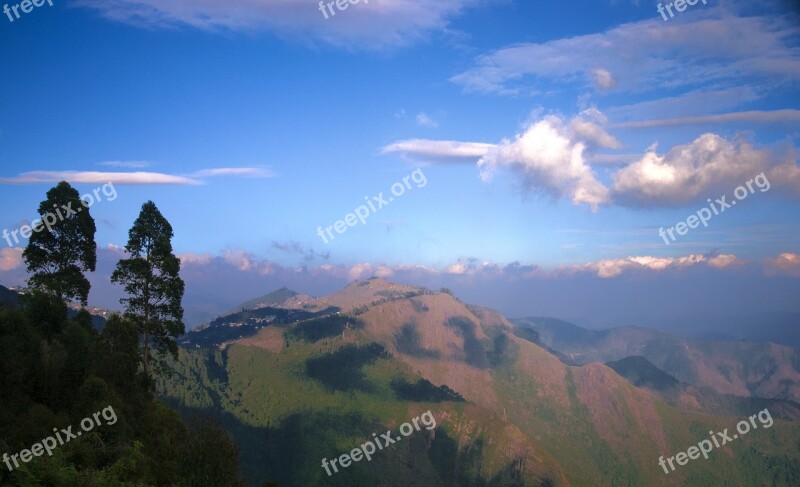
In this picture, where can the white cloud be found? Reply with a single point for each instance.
(556, 156)
(753, 116)
(245, 262)
(439, 150)
(648, 57)
(550, 155)
(588, 127)
(128, 164)
(609, 268)
(603, 79)
(424, 120)
(101, 177)
(785, 264)
(97, 177)
(722, 261)
(251, 172)
(10, 258)
(366, 26)
(707, 167)
(188, 259)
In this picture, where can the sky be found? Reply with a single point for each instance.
(550, 150)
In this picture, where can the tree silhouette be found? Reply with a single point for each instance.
(61, 246)
(151, 280)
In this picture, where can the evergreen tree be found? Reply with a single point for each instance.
(151, 280)
(61, 246)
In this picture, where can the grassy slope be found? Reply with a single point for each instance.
(527, 413)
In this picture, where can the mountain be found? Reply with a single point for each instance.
(777, 327)
(244, 324)
(273, 299)
(99, 316)
(641, 373)
(8, 297)
(507, 411)
(747, 369)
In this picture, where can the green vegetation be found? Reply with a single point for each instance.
(317, 329)
(55, 371)
(409, 341)
(153, 284)
(341, 370)
(641, 373)
(474, 352)
(57, 256)
(424, 391)
(318, 399)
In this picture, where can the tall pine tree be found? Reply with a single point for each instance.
(59, 253)
(151, 280)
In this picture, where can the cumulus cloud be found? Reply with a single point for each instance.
(555, 155)
(10, 258)
(609, 268)
(369, 26)
(245, 262)
(708, 166)
(550, 156)
(784, 264)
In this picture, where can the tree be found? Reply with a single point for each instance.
(151, 280)
(211, 458)
(61, 246)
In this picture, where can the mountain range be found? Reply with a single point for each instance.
(528, 402)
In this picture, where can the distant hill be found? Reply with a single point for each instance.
(746, 369)
(777, 327)
(244, 324)
(8, 297)
(508, 412)
(271, 299)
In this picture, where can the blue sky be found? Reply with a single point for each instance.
(555, 137)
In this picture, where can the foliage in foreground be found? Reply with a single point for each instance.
(55, 372)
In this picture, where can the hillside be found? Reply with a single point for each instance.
(274, 299)
(8, 297)
(295, 393)
(641, 373)
(747, 369)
